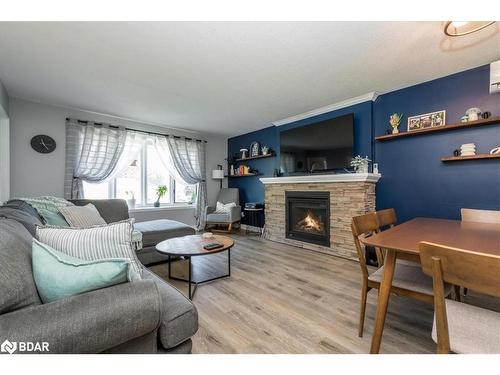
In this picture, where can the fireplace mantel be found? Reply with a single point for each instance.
(323, 178)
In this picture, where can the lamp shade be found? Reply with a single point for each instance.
(218, 174)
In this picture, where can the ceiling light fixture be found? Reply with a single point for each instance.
(460, 28)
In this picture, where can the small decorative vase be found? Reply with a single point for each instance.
(395, 131)
(131, 203)
(363, 168)
(157, 203)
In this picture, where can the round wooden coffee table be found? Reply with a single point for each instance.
(191, 246)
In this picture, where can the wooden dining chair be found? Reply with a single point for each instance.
(386, 219)
(480, 216)
(408, 281)
(459, 327)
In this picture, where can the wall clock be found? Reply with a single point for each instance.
(43, 144)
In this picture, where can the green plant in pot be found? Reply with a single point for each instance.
(160, 193)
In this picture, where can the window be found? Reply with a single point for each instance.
(140, 181)
(156, 175)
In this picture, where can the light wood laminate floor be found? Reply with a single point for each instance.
(283, 299)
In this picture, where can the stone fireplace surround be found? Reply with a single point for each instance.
(350, 195)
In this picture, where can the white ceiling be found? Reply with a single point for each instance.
(226, 78)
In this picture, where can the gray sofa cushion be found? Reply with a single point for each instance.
(90, 322)
(155, 231)
(111, 210)
(26, 219)
(17, 287)
(218, 218)
(23, 206)
(179, 317)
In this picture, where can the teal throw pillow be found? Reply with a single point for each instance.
(58, 275)
(53, 218)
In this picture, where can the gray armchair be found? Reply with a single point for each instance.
(227, 195)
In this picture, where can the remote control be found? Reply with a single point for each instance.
(213, 246)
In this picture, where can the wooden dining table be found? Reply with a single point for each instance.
(402, 242)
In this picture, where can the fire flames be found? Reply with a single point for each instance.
(310, 224)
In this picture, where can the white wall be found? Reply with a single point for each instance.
(4, 145)
(4, 101)
(35, 174)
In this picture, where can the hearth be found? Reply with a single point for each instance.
(307, 216)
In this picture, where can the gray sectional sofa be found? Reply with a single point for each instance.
(148, 316)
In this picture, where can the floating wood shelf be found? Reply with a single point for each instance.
(256, 157)
(473, 157)
(246, 175)
(461, 125)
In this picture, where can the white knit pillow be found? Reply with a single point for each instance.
(222, 208)
(82, 216)
(100, 242)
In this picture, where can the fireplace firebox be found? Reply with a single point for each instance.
(308, 216)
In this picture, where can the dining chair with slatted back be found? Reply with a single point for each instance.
(408, 280)
(460, 327)
(362, 226)
(386, 219)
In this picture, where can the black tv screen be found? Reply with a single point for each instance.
(325, 146)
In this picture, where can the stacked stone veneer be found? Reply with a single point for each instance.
(347, 199)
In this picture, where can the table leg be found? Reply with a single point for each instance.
(383, 300)
(189, 277)
(228, 262)
(169, 267)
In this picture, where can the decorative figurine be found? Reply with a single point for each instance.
(254, 149)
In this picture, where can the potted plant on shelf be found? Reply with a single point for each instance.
(360, 164)
(395, 120)
(130, 199)
(160, 193)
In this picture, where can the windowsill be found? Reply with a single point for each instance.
(163, 208)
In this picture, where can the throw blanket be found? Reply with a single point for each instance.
(54, 203)
(49, 203)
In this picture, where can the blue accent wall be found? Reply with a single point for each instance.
(414, 180)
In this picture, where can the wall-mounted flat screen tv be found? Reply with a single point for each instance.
(322, 147)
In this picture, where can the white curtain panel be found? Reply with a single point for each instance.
(188, 158)
(134, 142)
(92, 154)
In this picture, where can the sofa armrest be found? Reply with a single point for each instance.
(235, 214)
(90, 322)
(179, 317)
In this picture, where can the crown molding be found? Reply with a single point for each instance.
(371, 96)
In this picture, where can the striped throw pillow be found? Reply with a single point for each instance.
(99, 242)
(82, 216)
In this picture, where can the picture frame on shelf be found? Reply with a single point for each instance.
(254, 149)
(427, 120)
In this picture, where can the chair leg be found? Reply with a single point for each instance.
(364, 293)
(465, 291)
(230, 227)
(458, 295)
